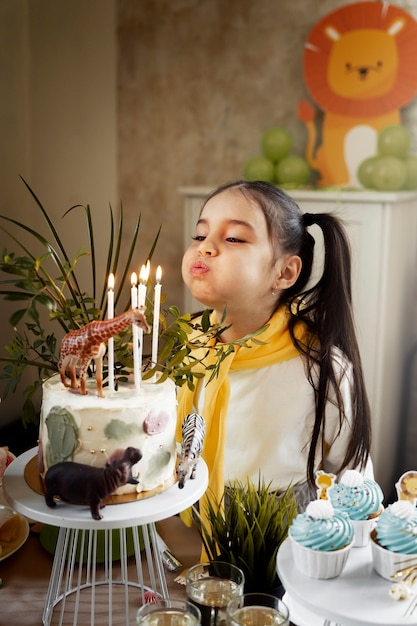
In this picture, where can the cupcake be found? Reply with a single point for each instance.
(361, 498)
(321, 539)
(394, 540)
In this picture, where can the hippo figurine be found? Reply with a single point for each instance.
(78, 483)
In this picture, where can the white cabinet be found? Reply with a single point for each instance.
(383, 233)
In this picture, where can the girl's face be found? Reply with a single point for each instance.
(231, 260)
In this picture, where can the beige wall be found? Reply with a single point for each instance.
(57, 118)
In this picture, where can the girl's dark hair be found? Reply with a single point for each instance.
(325, 307)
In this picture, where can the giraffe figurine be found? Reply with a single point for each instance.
(87, 343)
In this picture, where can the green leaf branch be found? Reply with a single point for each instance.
(45, 283)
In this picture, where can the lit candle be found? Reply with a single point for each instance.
(133, 291)
(110, 344)
(143, 281)
(142, 288)
(156, 311)
(135, 334)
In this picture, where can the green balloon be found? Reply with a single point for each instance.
(394, 140)
(292, 169)
(411, 172)
(365, 171)
(389, 174)
(259, 168)
(276, 143)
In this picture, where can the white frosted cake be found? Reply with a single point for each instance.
(91, 430)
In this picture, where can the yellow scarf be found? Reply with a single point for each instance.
(277, 346)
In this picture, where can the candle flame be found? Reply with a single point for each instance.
(111, 281)
(143, 276)
(158, 274)
(133, 279)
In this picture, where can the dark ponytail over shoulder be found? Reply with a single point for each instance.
(326, 309)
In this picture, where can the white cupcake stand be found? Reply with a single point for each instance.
(78, 531)
(358, 597)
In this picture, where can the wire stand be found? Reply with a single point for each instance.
(75, 570)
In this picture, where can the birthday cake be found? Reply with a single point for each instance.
(94, 430)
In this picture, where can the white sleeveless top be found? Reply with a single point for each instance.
(270, 421)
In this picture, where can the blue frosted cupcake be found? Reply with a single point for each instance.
(361, 499)
(394, 540)
(321, 539)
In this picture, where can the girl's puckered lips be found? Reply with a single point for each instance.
(198, 268)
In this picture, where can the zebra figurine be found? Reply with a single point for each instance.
(193, 433)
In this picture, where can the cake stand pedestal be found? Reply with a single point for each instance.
(358, 597)
(71, 575)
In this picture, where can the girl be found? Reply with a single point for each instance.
(294, 403)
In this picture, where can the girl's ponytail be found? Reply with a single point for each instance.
(326, 309)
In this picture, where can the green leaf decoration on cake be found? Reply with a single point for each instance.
(120, 431)
(159, 461)
(62, 435)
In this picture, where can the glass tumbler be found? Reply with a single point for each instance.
(211, 586)
(167, 612)
(257, 609)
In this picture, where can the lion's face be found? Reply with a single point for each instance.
(408, 484)
(363, 64)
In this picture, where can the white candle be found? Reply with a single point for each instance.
(156, 311)
(133, 291)
(143, 281)
(135, 334)
(142, 288)
(110, 344)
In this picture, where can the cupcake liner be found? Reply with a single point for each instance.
(318, 564)
(386, 563)
(363, 529)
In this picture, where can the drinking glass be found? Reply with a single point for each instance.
(167, 612)
(257, 609)
(211, 586)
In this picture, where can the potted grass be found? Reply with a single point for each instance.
(246, 528)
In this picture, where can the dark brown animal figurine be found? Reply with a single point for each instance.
(77, 483)
(87, 343)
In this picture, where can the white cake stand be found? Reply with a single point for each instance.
(78, 532)
(358, 597)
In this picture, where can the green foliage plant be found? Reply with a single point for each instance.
(46, 284)
(246, 528)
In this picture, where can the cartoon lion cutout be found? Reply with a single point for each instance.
(407, 487)
(360, 68)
